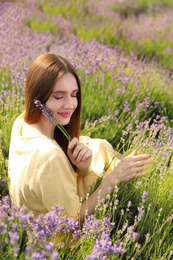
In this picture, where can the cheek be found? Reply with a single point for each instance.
(75, 104)
(52, 105)
(48, 104)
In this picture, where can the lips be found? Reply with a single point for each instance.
(65, 114)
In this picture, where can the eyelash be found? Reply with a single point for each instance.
(57, 97)
(62, 97)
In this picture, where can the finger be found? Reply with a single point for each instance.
(87, 155)
(141, 174)
(143, 162)
(77, 150)
(81, 154)
(141, 157)
(141, 168)
(135, 170)
(133, 153)
(72, 144)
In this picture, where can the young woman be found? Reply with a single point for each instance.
(44, 167)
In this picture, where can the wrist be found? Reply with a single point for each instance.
(83, 171)
(115, 178)
(112, 180)
(118, 169)
(116, 174)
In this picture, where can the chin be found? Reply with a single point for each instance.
(65, 122)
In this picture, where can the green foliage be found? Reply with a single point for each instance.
(41, 26)
(96, 118)
(152, 225)
(87, 24)
(68, 10)
(136, 7)
(11, 106)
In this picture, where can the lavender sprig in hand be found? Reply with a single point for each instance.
(50, 116)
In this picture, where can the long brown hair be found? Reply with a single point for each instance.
(41, 79)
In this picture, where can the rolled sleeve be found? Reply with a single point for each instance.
(104, 158)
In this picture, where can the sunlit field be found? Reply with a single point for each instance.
(123, 53)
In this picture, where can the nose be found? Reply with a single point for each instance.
(68, 103)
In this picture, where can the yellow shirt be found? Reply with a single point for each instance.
(40, 174)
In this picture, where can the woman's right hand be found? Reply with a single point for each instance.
(132, 166)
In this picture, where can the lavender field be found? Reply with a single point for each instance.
(123, 52)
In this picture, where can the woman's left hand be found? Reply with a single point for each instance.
(80, 155)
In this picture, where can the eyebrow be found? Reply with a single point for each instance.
(59, 91)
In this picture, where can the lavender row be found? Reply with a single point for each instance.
(148, 34)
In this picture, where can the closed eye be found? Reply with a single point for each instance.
(58, 97)
(74, 94)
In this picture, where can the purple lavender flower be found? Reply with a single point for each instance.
(129, 127)
(116, 112)
(55, 256)
(36, 256)
(76, 234)
(14, 238)
(144, 195)
(1, 244)
(141, 212)
(102, 247)
(170, 217)
(50, 246)
(6, 201)
(48, 113)
(3, 228)
(109, 110)
(70, 225)
(126, 106)
(14, 227)
(135, 235)
(50, 116)
(3, 182)
(124, 132)
(117, 248)
(97, 226)
(45, 111)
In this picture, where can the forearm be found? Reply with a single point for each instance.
(92, 201)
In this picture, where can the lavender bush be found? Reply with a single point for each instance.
(125, 100)
(148, 35)
(157, 187)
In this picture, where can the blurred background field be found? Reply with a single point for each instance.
(123, 52)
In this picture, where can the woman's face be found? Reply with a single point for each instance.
(63, 99)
